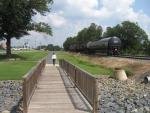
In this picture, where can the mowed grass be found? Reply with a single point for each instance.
(83, 63)
(21, 64)
(25, 55)
(14, 70)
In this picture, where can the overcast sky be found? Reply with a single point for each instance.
(67, 17)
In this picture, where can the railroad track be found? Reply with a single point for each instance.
(127, 56)
(135, 57)
(123, 56)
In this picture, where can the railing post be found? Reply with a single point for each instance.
(95, 103)
(75, 75)
(60, 63)
(68, 68)
(25, 106)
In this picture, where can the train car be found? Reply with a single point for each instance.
(77, 47)
(108, 46)
(81, 47)
(73, 48)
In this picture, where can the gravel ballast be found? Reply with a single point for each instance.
(114, 96)
(10, 95)
(123, 96)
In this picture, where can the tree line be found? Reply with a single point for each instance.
(93, 32)
(134, 39)
(49, 47)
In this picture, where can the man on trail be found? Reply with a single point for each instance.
(54, 58)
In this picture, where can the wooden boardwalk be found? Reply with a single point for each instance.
(55, 94)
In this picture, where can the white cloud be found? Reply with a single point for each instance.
(83, 4)
(89, 8)
(33, 40)
(57, 20)
(69, 16)
(54, 19)
(106, 10)
(86, 8)
(117, 4)
(103, 9)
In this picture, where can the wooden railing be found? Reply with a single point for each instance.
(30, 82)
(85, 82)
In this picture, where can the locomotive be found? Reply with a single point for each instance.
(108, 46)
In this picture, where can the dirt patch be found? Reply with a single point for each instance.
(138, 67)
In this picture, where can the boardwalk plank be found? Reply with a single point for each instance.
(51, 95)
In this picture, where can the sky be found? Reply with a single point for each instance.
(67, 17)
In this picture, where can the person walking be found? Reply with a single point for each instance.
(54, 58)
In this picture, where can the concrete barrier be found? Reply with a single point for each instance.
(120, 74)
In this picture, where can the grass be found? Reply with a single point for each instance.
(83, 63)
(25, 55)
(14, 70)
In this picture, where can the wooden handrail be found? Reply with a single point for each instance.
(85, 82)
(30, 83)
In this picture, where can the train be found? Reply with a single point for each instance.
(109, 46)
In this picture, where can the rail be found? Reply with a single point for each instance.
(138, 57)
(86, 83)
(30, 82)
(135, 57)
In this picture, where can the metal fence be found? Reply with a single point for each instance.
(85, 82)
(30, 82)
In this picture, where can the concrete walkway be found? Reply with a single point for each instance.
(55, 94)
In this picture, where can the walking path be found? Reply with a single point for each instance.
(56, 94)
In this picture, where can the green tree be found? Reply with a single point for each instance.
(93, 32)
(147, 48)
(133, 37)
(16, 18)
(110, 32)
(41, 47)
(69, 41)
(50, 47)
(57, 48)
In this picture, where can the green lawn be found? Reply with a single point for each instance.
(14, 69)
(83, 63)
(25, 55)
(23, 62)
